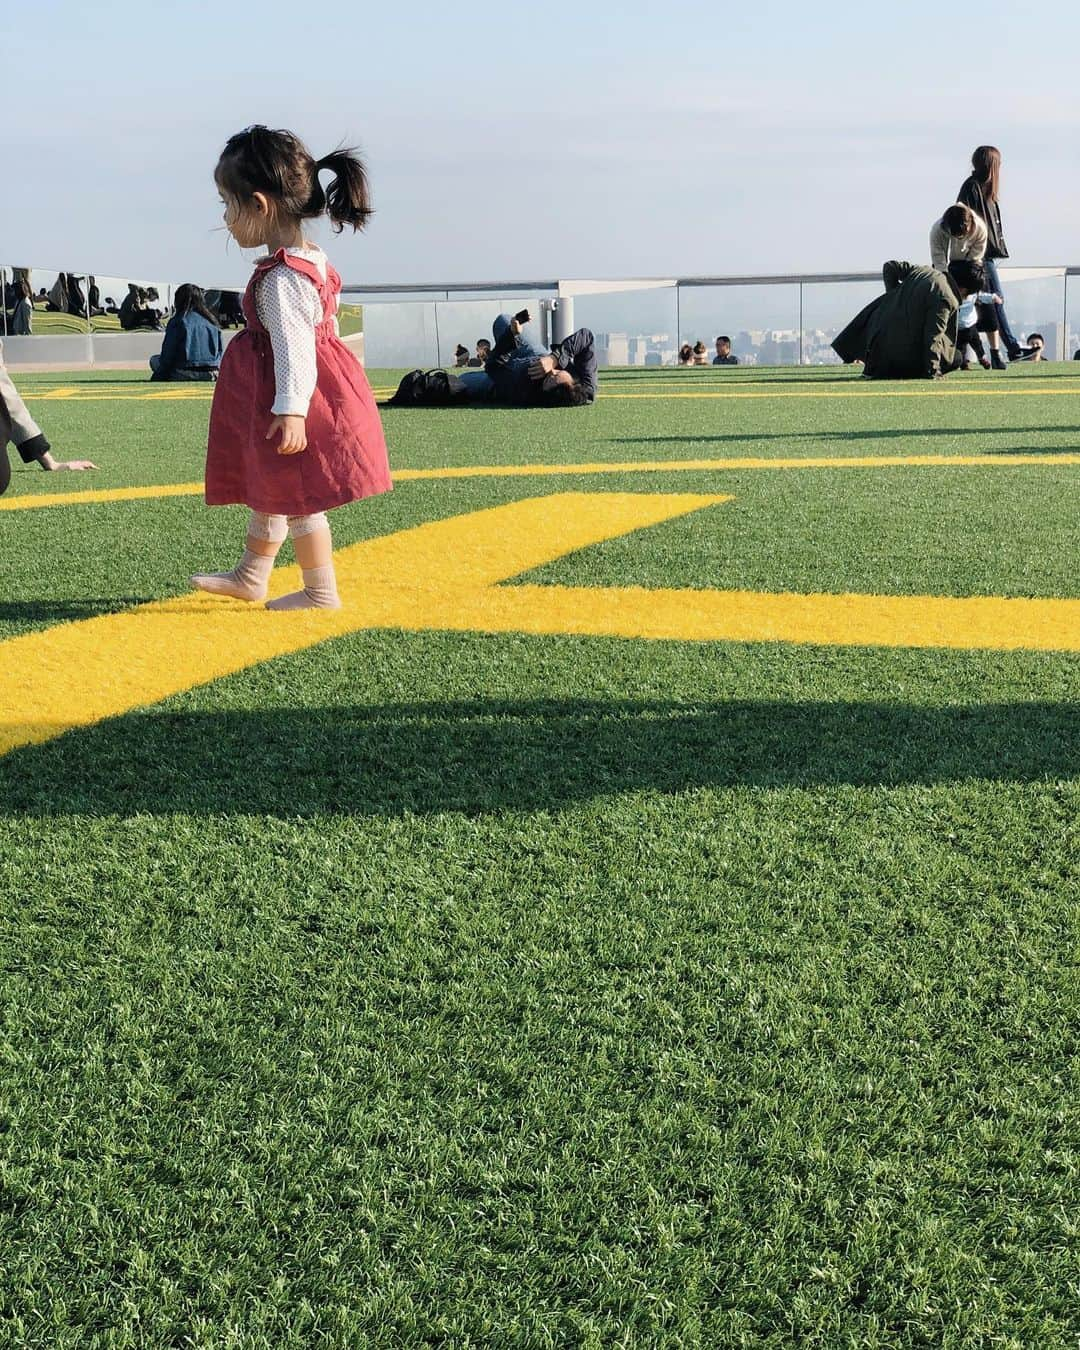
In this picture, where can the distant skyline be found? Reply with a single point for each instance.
(596, 141)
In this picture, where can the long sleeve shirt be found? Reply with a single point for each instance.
(289, 308)
(944, 247)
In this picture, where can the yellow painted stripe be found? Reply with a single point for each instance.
(987, 622)
(936, 391)
(445, 575)
(32, 502)
(197, 394)
(413, 579)
(129, 494)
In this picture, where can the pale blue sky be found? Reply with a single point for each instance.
(536, 140)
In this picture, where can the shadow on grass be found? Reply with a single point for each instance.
(485, 756)
(63, 611)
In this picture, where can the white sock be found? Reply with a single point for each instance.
(320, 591)
(247, 580)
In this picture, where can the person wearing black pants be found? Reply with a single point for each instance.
(980, 191)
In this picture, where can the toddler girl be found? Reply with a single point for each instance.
(293, 429)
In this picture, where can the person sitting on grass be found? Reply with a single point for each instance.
(724, 355)
(686, 355)
(701, 354)
(461, 356)
(18, 427)
(192, 346)
(1036, 344)
(22, 317)
(910, 332)
(483, 351)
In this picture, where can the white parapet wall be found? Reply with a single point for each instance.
(106, 351)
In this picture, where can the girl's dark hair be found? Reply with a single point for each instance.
(280, 165)
(190, 299)
(699, 347)
(986, 164)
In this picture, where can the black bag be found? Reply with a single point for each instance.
(428, 389)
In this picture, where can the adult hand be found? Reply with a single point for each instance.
(75, 465)
(541, 367)
(293, 434)
(515, 326)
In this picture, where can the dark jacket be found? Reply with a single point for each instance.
(910, 331)
(190, 343)
(971, 194)
(510, 372)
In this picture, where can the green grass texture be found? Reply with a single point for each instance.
(426, 989)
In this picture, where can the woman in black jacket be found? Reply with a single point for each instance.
(980, 192)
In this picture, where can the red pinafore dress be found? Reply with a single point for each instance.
(345, 457)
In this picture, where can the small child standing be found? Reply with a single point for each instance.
(975, 316)
(287, 377)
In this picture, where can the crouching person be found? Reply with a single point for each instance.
(191, 349)
(911, 331)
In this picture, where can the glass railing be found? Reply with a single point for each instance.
(86, 318)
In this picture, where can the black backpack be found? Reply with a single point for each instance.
(428, 389)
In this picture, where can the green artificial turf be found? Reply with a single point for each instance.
(470, 990)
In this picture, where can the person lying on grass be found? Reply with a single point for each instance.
(18, 427)
(519, 371)
(911, 331)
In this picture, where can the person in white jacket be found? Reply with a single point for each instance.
(958, 234)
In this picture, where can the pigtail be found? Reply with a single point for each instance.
(347, 201)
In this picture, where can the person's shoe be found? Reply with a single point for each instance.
(997, 363)
(1023, 354)
(965, 365)
(984, 361)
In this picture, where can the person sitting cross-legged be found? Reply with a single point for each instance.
(192, 346)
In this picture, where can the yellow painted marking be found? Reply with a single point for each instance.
(414, 579)
(937, 391)
(32, 502)
(445, 575)
(129, 494)
(203, 393)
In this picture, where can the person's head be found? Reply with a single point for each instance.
(686, 353)
(959, 220)
(461, 354)
(22, 289)
(190, 299)
(269, 181)
(561, 390)
(986, 166)
(699, 349)
(483, 348)
(968, 277)
(1036, 342)
(723, 346)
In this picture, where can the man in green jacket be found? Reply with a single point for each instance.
(910, 331)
